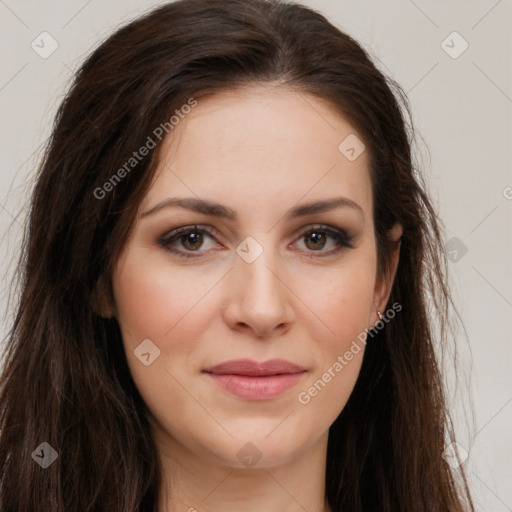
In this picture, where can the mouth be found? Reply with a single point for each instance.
(256, 381)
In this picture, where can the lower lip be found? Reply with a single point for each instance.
(257, 388)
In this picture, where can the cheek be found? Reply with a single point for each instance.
(340, 299)
(154, 298)
(162, 303)
(172, 307)
(342, 302)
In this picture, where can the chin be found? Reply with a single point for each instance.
(255, 449)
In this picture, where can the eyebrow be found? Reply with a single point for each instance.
(217, 210)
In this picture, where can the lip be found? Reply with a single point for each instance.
(256, 381)
(251, 368)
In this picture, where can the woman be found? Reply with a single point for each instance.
(225, 281)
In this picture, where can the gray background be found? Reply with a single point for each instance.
(462, 108)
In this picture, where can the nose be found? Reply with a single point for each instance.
(258, 298)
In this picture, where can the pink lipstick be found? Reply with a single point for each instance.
(256, 381)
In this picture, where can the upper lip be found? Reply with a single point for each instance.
(254, 368)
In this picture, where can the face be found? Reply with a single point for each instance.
(246, 267)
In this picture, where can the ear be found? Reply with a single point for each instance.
(384, 283)
(101, 299)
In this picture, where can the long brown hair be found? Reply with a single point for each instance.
(65, 379)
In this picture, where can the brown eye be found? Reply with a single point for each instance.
(192, 241)
(319, 237)
(317, 240)
(186, 241)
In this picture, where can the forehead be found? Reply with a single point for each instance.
(258, 144)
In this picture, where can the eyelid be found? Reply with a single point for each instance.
(178, 231)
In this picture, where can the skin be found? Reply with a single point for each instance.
(260, 151)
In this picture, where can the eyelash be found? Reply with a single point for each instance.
(340, 237)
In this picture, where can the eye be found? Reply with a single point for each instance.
(189, 239)
(317, 237)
